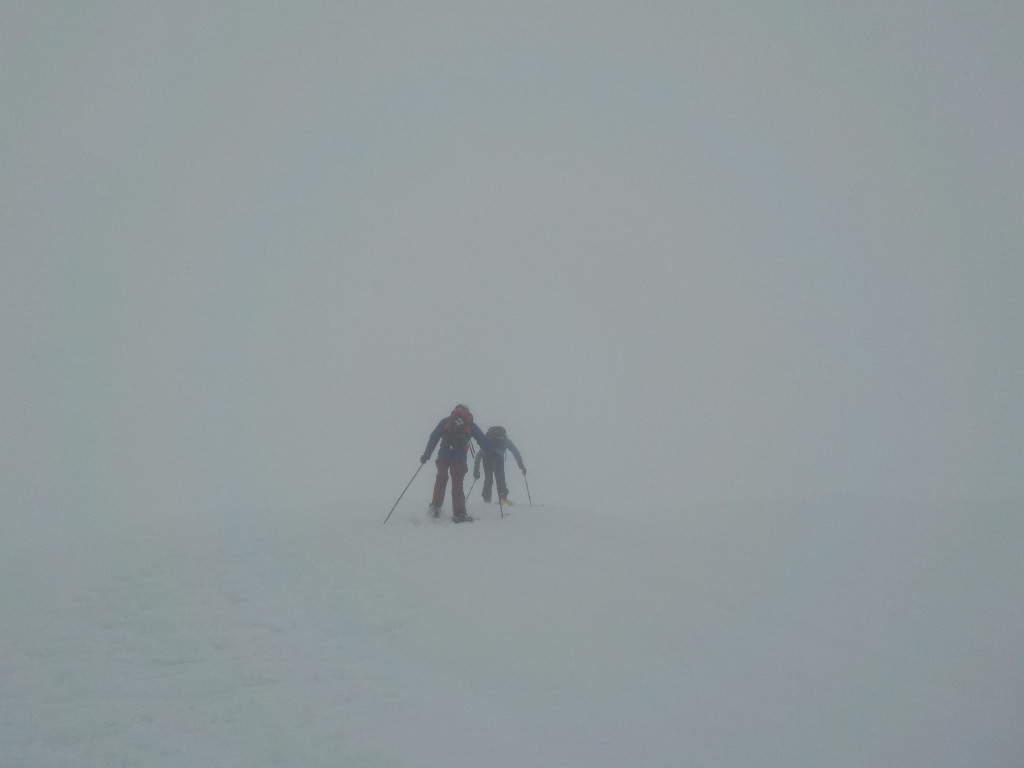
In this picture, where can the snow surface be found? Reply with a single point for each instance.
(807, 634)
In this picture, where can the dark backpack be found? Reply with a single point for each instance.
(456, 433)
(497, 436)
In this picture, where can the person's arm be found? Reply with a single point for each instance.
(515, 452)
(432, 441)
(481, 438)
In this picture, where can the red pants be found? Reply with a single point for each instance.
(458, 469)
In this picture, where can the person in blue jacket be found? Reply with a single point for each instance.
(493, 459)
(453, 432)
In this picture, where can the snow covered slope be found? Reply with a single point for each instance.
(810, 635)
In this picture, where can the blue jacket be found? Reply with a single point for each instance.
(476, 432)
(499, 450)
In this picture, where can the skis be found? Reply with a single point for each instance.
(434, 513)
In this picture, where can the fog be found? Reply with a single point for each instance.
(685, 253)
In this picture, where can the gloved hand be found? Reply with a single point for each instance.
(424, 458)
(476, 475)
(522, 468)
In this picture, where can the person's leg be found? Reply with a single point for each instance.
(458, 470)
(440, 483)
(499, 476)
(488, 462)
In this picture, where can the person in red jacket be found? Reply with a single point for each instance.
(453, 433)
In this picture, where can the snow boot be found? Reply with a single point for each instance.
(462, 518)
(504, 502)
(435, 512)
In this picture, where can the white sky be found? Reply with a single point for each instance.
(253, 251)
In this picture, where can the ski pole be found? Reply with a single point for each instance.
(404, 490)
(471, 485)
(527, 489)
